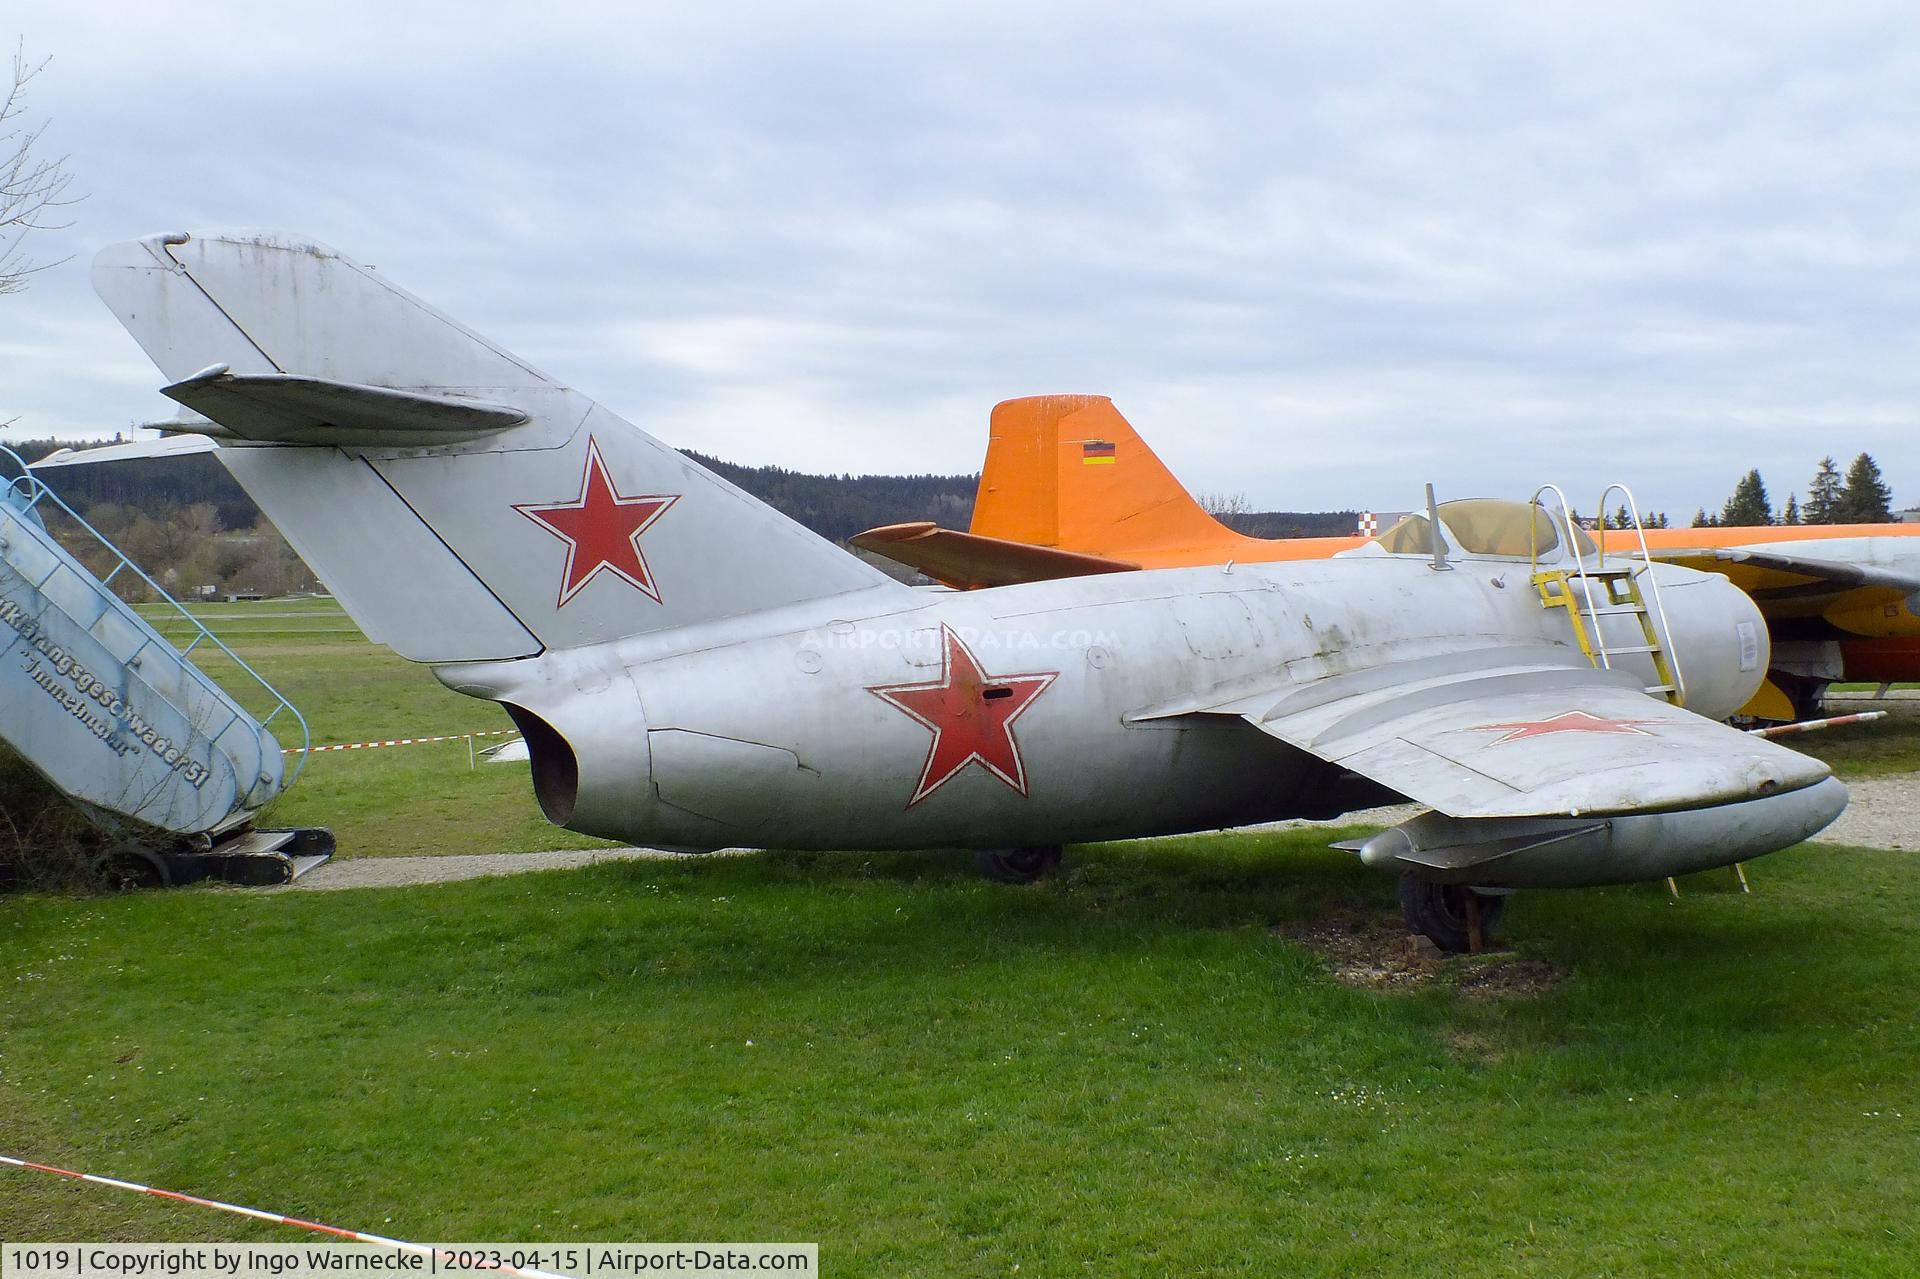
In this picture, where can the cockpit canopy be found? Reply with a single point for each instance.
(1485, 528)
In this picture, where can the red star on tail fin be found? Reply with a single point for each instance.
(602, 529)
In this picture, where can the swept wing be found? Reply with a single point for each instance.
(1516, 732)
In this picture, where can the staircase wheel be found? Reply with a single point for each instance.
(129, 868)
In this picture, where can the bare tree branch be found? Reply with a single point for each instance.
(32, 188)
(1224, 506)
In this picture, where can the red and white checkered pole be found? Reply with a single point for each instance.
(399, 1245)
(399, 741)
(1815, 725)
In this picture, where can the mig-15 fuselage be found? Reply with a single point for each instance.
(691, 669)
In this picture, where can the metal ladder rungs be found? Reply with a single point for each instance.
(1609, 590)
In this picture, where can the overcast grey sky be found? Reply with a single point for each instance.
(1317, 253)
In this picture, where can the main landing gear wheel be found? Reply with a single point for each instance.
(1445, 913)
(1017, 865)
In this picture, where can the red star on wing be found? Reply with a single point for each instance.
(1565, 722)
(971, 715)
(602, 530)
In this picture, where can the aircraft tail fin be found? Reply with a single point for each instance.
(1069, 471)
(461, 504)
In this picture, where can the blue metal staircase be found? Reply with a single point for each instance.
(123, 721)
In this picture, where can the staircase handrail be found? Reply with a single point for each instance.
(1646, 558)
(37, 490)
(1572, 543)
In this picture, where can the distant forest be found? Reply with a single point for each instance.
(834, 506)
(153, 486)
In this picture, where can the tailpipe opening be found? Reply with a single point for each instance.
(556, 771)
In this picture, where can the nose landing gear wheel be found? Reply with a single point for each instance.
(1017, 865)
(1445, 913)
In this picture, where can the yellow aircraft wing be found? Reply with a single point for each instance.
(1858, 598)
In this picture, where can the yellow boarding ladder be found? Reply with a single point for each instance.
(1609, 590)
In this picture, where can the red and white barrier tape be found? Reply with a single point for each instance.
(399, 1245)
(399, 741)
(1815, 725)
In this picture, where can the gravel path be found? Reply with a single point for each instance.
(1885, 813)
(403, 872)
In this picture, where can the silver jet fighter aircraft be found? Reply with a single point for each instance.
(694, 670)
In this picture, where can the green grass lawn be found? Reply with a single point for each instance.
(1129, 1069)
(420, 801)
(349, 688)
(1124, 1071)
(386, 802)
(1883, 748)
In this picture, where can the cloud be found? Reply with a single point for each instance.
(1319, 253)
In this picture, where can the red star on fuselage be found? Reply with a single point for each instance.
(602, 530)
(971, 715)
(1565, 722)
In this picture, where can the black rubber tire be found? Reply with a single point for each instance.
(1439, 913)
(1017, 865)
(131, 868)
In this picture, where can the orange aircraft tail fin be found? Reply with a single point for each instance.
(1070, 471)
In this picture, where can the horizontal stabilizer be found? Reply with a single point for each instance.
(968, 560)
(170, 446)
(282, 408)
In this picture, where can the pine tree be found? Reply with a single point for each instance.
(1864, 497)
(1792, 514)
(1748, 506)
(1823, 494)
(1702, 520)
